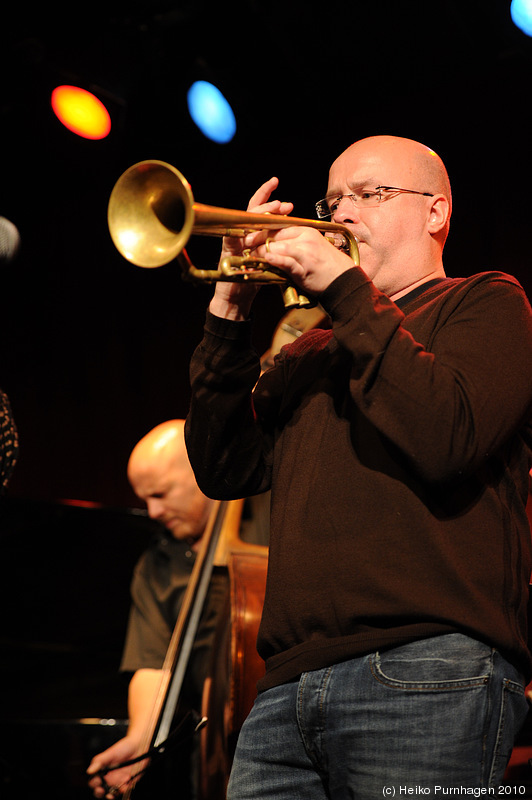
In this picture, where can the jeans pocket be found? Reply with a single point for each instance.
(458, 698)
(512, 714)
(452, 661)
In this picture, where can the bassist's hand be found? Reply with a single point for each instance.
(118, 780)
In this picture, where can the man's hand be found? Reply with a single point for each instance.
(233, 300)
(309, 260)
(117, 779)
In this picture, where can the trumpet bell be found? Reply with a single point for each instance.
(150, 213)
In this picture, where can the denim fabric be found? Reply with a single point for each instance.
(441, 712)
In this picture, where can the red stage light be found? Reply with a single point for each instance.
(81, 112)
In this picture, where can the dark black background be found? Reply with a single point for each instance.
(95, 351)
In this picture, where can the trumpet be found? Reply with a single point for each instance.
(152, 214)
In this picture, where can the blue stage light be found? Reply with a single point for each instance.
(211, 112)
(521, 13)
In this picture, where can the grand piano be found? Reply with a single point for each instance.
(64, 587)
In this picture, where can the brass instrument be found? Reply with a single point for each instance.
(152, 214)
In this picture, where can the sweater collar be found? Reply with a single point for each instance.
(407, 298)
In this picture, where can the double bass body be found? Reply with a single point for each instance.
(230, 687)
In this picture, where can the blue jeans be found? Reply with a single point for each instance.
(441, 712)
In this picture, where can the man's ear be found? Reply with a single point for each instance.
(439, 214)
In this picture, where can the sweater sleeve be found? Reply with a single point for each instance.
(450, 403)
(230, 455)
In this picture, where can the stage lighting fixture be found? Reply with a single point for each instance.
(521, 13)
(211, 112)
(81, 112)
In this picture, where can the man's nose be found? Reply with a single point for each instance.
(155, 508)
(345, 211)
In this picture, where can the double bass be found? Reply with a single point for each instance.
(172, 724)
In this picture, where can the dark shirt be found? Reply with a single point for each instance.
(159, 582)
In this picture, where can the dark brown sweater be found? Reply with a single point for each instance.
(397, 447)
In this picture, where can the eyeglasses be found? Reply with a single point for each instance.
(365, 198)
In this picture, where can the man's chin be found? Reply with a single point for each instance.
(175, 528)
(179, 534)
(182, 534)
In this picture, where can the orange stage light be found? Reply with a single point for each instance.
(81, 112)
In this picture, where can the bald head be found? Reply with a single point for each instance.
(416, 165)
(160, 474)
(165, 441)
(401, 238)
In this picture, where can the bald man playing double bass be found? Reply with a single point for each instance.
(160, 474)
